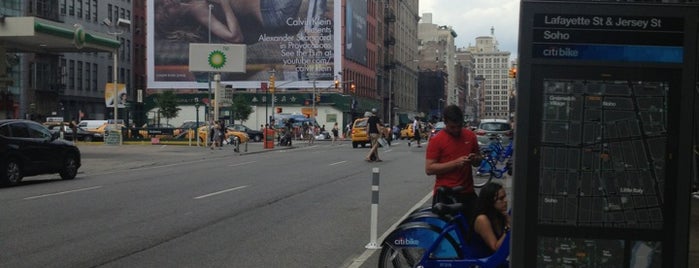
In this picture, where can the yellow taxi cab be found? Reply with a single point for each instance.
(406, 132)
(203, 133)
(360, 135)
(99, 131)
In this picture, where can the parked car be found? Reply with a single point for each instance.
(81, 133)
(231, 134)
(28, 148)
(254, 135)
(181, 131)
(489, 127)
(437, 127)
(91, 125)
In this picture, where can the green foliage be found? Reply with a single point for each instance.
(167, 103)
(241, 108)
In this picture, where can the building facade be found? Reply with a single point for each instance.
(51, 79)
(492, 79)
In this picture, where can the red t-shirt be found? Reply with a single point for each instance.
(444, 148)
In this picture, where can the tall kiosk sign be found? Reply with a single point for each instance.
(603, 147)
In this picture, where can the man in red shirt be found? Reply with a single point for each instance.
(450, 156)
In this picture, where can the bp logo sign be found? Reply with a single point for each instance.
(79, 36)
(217, 59)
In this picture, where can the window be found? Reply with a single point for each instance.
(37, 132)
(5, 131)
(19, 130)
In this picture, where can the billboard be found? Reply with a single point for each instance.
(109, 95)
(298, 39)
(355, 30)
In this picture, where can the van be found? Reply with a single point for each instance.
(91, 125)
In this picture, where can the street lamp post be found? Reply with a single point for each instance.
(196, 107)
(125, 24)
(208, 74)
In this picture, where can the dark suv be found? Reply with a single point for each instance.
(27, 148)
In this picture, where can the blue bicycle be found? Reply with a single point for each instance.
(497, 160)
(436, 240)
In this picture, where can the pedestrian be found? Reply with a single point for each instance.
(222, 137)
(216, 135)
(74, 127)
(450, 156)
(336, 133)
(374, 130)
(396, 132)
(492, 221)
(416, 132)
(348, 130)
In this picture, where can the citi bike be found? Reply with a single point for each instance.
(435, 240)
(497, 160)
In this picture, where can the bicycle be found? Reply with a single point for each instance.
(436, 240)
(488, 169)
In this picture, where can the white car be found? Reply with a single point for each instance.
(488, 128)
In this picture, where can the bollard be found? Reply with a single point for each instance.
(374, 210)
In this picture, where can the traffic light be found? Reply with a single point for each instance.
(337, 84)
(271, 84)
(353, 88)
(513, 73)
(317, 98)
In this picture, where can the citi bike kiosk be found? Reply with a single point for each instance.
(603, 134)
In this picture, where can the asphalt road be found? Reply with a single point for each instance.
(181, 206)
(178, 206)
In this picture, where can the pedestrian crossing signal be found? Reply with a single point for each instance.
(513, 73)
(353, 88)
(337, 84)
(317, 98)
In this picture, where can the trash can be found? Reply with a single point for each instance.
(268, 138)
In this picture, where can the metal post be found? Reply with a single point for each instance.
(116, 90)
(374, 210)
(313, 111)
(208, 74)
(390, 92)
(217, 79)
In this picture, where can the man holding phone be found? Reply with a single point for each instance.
(451, 155)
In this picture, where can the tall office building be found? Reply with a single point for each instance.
(437, 52)
(491, 77)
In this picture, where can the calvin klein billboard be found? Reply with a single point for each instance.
(297, 38)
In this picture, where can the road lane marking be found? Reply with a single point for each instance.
(60, 193)
(337, 163)
(220, 192)
(240, 164)
(359, 261)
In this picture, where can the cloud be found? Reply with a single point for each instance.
(474, 18)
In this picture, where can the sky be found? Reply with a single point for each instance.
(474, 18)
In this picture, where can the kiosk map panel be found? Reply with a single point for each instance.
(602, 154)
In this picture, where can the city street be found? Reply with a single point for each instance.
(182, 206)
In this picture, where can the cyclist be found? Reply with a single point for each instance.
(451, 154)
(491, 221)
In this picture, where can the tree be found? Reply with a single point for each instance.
(240, 108)
(167, 103)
